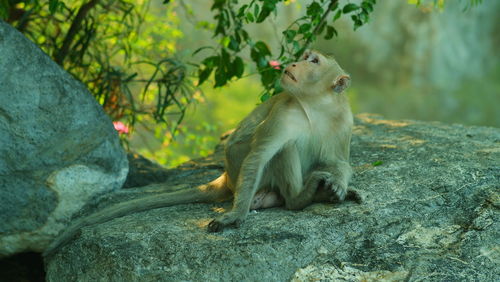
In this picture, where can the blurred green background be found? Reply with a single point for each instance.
(408, 62)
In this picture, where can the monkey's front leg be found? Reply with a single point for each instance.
(246, 187)
(287, 173)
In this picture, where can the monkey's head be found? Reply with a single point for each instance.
(315, 74)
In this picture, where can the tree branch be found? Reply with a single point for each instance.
(73, 30)
(333, 3)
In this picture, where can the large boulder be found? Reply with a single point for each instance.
(58, 149)
(431, 213)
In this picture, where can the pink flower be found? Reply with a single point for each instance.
(275, 64)
(121, 127)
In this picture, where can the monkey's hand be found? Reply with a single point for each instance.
(227, 219)
(328, 183)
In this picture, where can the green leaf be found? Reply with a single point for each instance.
(211, 61)
(250, 17)
(314, 9)
(364, 17)
(238, 67)
(337, 15)
(218, 4)
(262, 63)
(255, 54)
(268, 7)
(225, 60)
(304, 28)
(296, 48)
(233, 44)
(220, 77)
(219, 29)
(225, 41)
(237, 37)
(349, 8)
(241, 11)
(289, 35)
(367, 6)
(299, 52)
(4, 9)
(264, 14)
(357, 22)
(309, 36)
(262, 47)
(265, 96)
(245, 35)
(256, 10)
(53, 4)
(335, 6)
(377, 163)
(203, 74)
(277, 87)
(330, 32)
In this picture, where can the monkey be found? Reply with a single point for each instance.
(291, 150)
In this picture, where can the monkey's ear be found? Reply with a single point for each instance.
(341, 83)
(306, 54)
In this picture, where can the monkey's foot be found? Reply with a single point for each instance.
(266, 199)
(328, 182)
(330, 196)
(353, 195)
(228, 219)
(339, 191)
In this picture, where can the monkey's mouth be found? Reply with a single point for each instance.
(290, 75)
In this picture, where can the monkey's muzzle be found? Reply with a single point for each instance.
(289, 74)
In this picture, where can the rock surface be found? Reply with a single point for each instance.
(431, 213)
(143, 172)
(58, 149)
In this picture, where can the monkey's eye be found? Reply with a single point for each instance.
(306, 56)
(315, 60)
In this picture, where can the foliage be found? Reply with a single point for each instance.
(129, 67)
(98, 42)
(133, 69)
(231, 22)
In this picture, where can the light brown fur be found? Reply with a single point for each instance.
(293, 143)
(291, 149)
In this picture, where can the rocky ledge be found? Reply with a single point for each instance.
(430, 213)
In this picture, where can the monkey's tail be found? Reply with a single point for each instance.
(214, 191)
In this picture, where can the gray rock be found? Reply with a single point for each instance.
(431, 213)
(143, 172)
(58, 149)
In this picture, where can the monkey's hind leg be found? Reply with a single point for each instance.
(332, 182)
(287, 172)
(332, 179)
